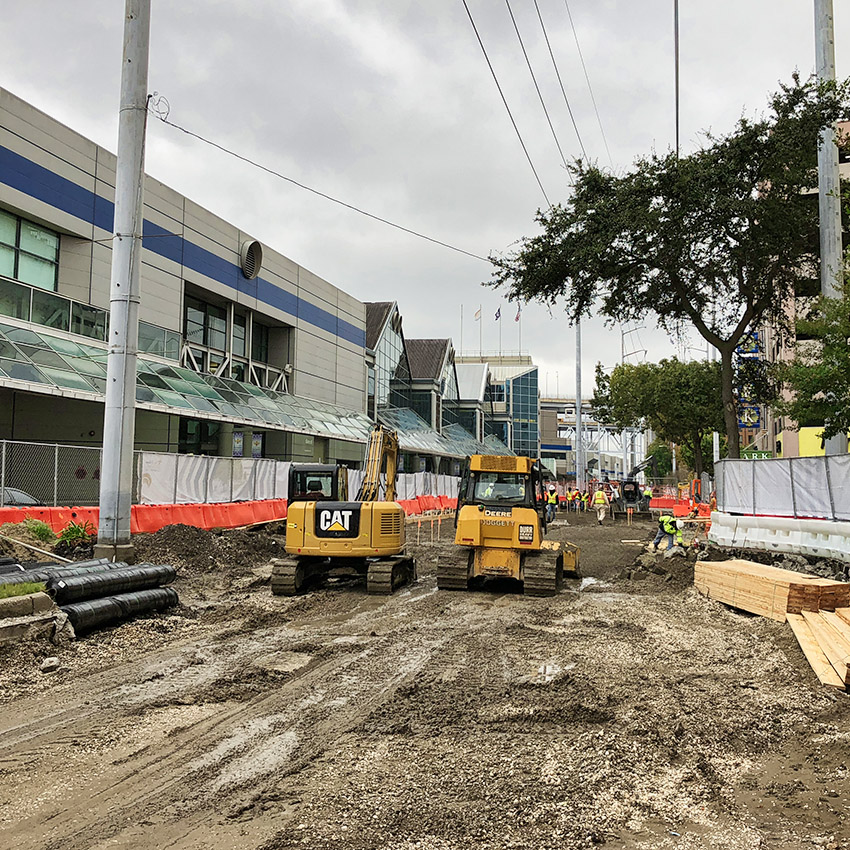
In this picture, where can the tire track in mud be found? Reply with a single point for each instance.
(212, 763)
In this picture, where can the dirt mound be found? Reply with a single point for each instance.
(196, 550)
(19, 531)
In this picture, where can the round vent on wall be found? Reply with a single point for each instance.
(251, 257)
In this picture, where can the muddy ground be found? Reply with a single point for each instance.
(623, 713)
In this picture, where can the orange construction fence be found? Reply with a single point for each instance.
(150, 518)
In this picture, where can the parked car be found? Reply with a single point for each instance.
(14, 498)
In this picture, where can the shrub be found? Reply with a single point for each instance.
(76, 533)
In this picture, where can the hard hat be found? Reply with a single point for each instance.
(680, 524)
(551, 487)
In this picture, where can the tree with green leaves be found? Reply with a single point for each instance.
(819, 375)
(679, 401)
(662, 456)
(717, 240)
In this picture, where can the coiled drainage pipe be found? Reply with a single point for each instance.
(77, 588)
(85, 616)
(47, 573)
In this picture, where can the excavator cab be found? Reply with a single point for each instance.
(326, 531)
(316, 482)
(500, 524)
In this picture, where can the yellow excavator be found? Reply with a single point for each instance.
(500, 524)
(325, 531)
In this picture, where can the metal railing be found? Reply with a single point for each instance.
(798, 488)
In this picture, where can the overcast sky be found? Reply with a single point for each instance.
(389, 105)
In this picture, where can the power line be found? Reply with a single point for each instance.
(589, 87)
(504, 100)
(534, 79)
(560, 81)
(317, 192)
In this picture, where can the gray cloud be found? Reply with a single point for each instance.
(390, 106)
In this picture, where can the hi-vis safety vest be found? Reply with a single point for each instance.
(553, 497)
(599, 497)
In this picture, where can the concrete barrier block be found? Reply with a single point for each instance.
(41, 603)
(15, 606)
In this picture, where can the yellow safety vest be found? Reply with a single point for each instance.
(599, 497)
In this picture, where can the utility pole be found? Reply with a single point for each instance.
(676, 63)
(579, 447)
(116, 473)
(829, 186)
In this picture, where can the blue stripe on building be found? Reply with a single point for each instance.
(41, 183)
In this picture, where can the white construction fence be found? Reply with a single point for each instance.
(797, 488)
(194, 479)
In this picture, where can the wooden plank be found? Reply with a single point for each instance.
(844, 613)
(830, 644)
(814, 654)
(841, 628)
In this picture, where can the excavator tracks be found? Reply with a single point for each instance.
(288, 576)
(542, 574)
(453, 572)
(387, 574)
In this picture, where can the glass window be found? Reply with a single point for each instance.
(36, 271)
(14, 300)
(216, 327)
(49, 310)
(239, 335)
(260, 343)
(8, 229)
(88, 321)
(36, 240)
(194, 321)
(28, 252)
(237, 371)
(173, 344)
(7, 261)
(151, 339)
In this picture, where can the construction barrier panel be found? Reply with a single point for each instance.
(146, 519)
(815, 537)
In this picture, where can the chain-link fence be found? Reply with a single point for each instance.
(48, 474)
(800, 487)
(34, 474)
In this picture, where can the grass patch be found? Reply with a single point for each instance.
(39, 529)
(9, 590)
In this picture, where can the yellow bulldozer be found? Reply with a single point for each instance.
(500, 524)
(324, 530)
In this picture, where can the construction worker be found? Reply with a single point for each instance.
(572, 499)
(601, 503)
(585, 499)
(670, 528)
(647, 496)
(551, 503)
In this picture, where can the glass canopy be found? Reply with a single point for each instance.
(41, 358)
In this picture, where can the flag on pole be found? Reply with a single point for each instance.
(477, 314)
(498, 314)
(518, 311)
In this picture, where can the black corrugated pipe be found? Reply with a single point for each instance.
(96, 585)
(46, 573)
(85, 616)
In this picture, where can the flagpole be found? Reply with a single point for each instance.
(500, 332)
(480, 333)
(461, 329)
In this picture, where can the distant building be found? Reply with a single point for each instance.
(513, 400)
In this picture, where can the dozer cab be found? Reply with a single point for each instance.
(324, 530)
(500, 524)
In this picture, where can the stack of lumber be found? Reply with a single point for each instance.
(768, 591)
(817, 609)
